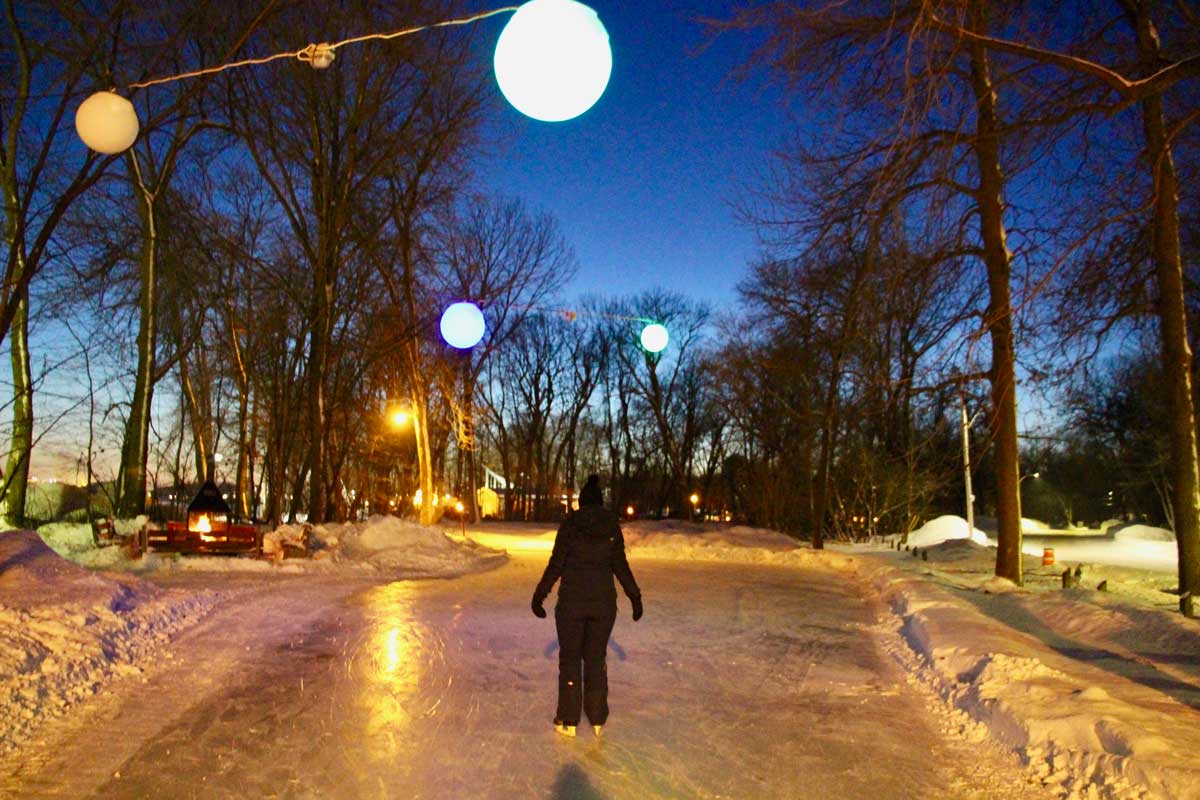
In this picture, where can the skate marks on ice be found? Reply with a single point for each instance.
(767, 682)
(742, 681)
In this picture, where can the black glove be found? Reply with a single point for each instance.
(637, 607)
(536, 605)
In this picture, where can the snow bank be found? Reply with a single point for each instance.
(687, 541)
(65, 630)
(956, 550)
(385, 546)
(1034, 526)
(943, 529)
(1057, 676)
(1142, 533)
(398, 547)
(74, 541)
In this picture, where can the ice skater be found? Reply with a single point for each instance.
(588, 551)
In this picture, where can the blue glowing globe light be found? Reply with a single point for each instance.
(462, 325)
(655, 338)
(553, 60)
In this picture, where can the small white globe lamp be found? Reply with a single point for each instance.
(654, 338)
(553, 59)
(107, 123)
(462, 325)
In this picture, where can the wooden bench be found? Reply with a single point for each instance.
(104, 533)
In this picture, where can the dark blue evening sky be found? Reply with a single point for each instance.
(642, 183)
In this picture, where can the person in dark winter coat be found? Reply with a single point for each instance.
(589, 551)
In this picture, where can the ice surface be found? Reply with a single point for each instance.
(742, 681)
(756, 672)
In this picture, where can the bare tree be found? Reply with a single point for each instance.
(509, 262)
(921, 122)
(354, 155)
(49, 57)
(1158, 71)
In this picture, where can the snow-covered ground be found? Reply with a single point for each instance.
(1098, 692)
(383, 546)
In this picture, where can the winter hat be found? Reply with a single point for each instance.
(590, 494)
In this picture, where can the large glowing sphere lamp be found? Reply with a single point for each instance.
(654, 338)
(553, 59)
(107, 123)
(462, 325)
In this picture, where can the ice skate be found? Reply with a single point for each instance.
(565, 730)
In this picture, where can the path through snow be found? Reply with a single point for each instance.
(741, 681)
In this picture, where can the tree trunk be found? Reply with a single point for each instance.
(16, 484)
(243, 464)
(1172, 314)
(135, 448)
(428, 512)
(998, 261)
(200, 446)
(318, 355)
(824, 459)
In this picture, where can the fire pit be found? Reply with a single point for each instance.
(207, 529)
(208, 514)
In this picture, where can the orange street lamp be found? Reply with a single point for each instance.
(695, 498)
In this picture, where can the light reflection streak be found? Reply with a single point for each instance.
(391, 665)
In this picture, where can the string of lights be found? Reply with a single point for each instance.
(552, 63)
(320, 55)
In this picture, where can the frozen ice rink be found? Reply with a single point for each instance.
(742, 681)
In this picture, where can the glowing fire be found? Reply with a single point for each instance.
(203, 524)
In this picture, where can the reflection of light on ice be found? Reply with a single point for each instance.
(393, 650)
(543, 542)
(393, 666)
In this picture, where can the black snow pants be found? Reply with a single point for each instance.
(583, 637)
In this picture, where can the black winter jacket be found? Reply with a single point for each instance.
(588, 551)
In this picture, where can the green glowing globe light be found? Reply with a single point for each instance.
(462, 325)
(553, 60)
(654, 338)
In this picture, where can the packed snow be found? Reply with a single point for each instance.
(382, 545)
(943, 529)
(1097, 691)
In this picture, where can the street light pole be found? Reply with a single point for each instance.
(966, 446)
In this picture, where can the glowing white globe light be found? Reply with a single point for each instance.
(654, 338)
(553, 59)
(462, 325)
(107, 123)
